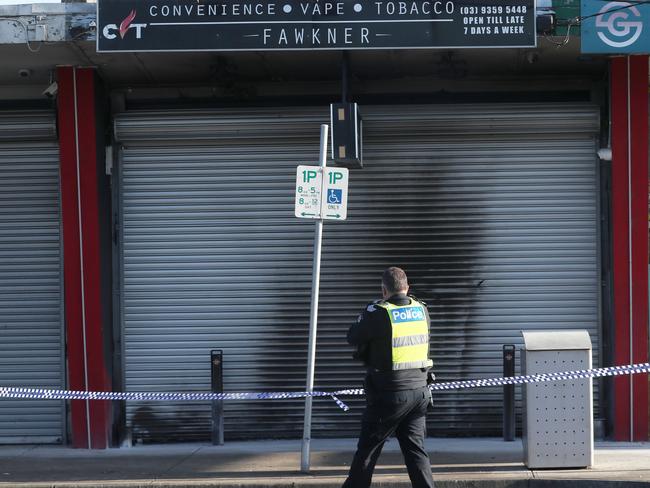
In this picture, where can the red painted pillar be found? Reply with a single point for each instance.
(86, 305)
(629, 129)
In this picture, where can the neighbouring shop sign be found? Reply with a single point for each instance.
(256, 25)
(615, 27)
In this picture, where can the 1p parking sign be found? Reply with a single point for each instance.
(321, 193)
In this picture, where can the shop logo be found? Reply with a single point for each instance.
(621, 27)
(124, 27)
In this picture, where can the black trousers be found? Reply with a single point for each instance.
(402, 413)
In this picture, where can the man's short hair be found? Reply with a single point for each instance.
(394, 280)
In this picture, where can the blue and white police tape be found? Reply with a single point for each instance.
(532, 378)
(45, 394)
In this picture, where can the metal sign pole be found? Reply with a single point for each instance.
(313, 318)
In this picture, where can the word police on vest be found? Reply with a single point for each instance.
(407, 314)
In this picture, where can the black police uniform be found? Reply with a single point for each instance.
(396, 401)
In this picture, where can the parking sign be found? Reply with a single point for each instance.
(309, 185)
(334, 204)
(321, 193)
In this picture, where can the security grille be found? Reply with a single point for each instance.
(491, 209)
(31, 344)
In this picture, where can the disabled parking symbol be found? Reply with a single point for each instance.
(334, 196)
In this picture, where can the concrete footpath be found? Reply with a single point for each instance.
(457, 463)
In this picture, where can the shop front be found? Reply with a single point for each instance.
(31, 310)
(497, 225)
(483, 176)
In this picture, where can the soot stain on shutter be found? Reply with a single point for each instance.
(403, 212)
(445, 275)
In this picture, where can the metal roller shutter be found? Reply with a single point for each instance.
(492, 210)
(27, 125)
(31, 323)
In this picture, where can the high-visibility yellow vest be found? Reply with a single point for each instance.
(410, 335)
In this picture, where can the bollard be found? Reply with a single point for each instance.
(508, 393)
(216, 369)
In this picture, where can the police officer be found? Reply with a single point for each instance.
(392, 339)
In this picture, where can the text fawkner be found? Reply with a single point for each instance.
(329, 36)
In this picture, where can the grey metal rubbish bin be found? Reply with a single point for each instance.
(558, 415)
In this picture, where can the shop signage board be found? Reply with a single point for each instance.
(263, 25)
(615, 27)
(321, 193)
